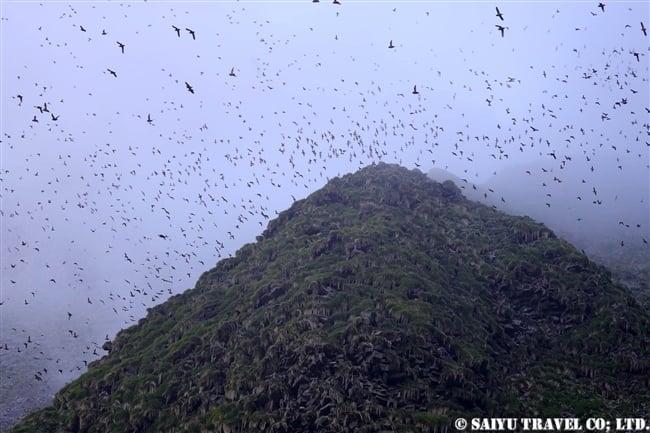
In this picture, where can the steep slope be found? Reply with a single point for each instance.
(577, 202)
(384, 301)
(611, 231)
(608, 216)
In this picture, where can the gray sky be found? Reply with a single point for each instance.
(317, 92)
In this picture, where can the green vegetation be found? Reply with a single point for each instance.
(384, 301)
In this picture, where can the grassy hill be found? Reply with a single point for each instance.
(612, 230)
(385, 301)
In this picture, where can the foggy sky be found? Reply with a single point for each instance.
(105, 214)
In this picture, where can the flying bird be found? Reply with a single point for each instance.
(499, 14)
(191, 33)
(390, 44)
(121, 46)
(149, 119)
(178, 31)
(601, 5)
(113, 73)
(189, 88)
(502, 29)
(232, 72)
(643, 29)
(415, 90)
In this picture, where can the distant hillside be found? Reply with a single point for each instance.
(609, 225)
(385, 301)
(469, 190)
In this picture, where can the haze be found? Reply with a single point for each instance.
(105, 213)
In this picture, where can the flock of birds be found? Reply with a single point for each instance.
(91, 213)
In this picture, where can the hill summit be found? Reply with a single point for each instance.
(385, 301)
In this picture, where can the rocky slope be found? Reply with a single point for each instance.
(383, 302)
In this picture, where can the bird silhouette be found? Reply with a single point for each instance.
(499, 14)
(403, 124)
(601, 6)
(191, 32)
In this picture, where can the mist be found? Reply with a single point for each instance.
(105, 213)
